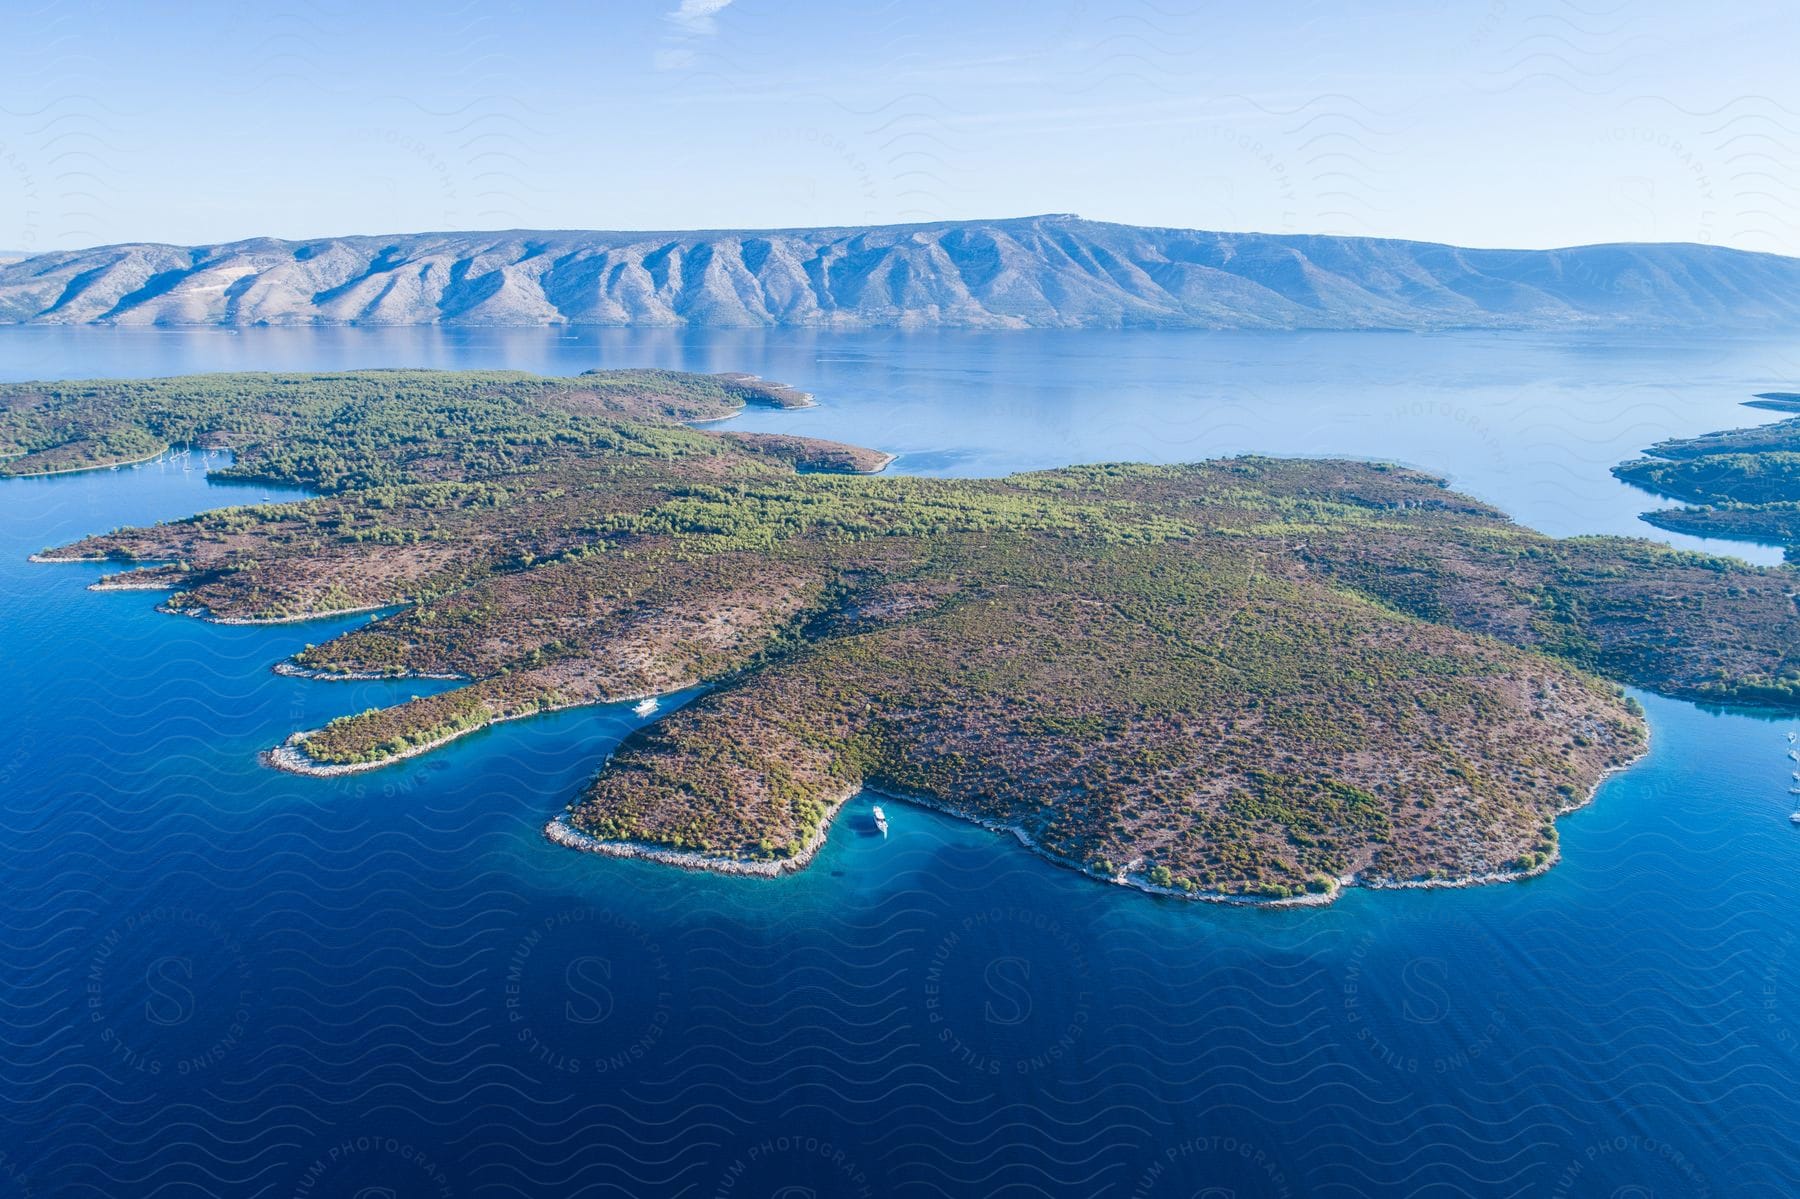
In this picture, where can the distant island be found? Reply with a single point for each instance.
(1033, 272)
(1250, 679)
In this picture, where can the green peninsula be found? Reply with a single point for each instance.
(1250, 678)
(1739, 484)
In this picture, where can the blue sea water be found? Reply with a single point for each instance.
(216, 979)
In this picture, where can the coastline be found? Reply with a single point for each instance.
(290, 756)
(141, 585)
(561, 832)
(206, 614)
(1139, 882)
(1124, 878)
(141, 577)
(202, 612)
(287, 669)
(803, 401)
(778, 398)
(743, 408)
(82, 470)
(1513, 876)
(887, 460)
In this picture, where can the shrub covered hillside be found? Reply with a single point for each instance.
(1250, 677)
(356, 429)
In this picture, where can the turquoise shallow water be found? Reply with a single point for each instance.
(222, 980)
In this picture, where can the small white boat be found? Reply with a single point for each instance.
(645, 706)
(1794, 817)
(881, 819)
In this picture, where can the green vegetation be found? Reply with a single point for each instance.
(1744, 483)
(1252, 676)
(1768, 478)
(1782, 436)
(1764, 524)
(361, 429)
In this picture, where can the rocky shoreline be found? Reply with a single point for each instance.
(82, 470)
(203, 613)
(1124, 878)
(562, 832)
(294, 671)
(1139, 882)
(1509, 876)
(138, 585)
(200, 612)
(778, 396)
(292, 757)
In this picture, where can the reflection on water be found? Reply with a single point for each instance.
(1529, 422)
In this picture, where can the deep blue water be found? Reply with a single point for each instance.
(216, 979)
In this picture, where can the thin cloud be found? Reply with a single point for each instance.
(695, 17)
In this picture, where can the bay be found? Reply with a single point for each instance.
(223, 980)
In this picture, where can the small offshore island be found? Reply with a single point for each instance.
(1250, 679)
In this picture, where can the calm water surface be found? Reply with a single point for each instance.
(1529, 422)
(221, 980)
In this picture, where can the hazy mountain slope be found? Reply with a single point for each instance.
(1050, 271)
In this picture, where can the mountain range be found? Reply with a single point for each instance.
(1043, 271)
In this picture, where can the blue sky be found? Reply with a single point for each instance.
(1496, 122)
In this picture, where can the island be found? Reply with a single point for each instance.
(1252, 679)
(1739, 484)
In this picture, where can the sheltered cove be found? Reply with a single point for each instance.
(561, 832)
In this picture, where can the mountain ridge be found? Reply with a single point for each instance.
(1049, 271)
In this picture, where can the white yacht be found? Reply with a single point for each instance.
(881, 819)
(645, 706)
